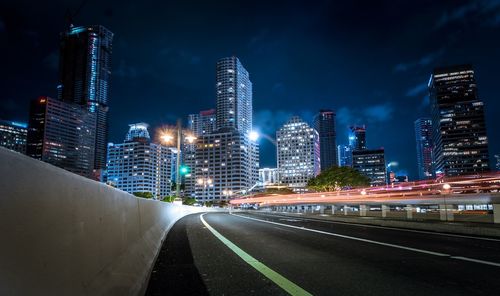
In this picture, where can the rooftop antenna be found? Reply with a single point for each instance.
(69, 16)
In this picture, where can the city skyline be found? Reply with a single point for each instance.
(386, 95)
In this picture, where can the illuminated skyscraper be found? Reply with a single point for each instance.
(84, 77)
(227, 160)
(324, 123)
(137, 165)
(423, 136)
(13, 135)
(62, 134)
(458, 124)
(234, 95)
(358, 134)
(298, 153)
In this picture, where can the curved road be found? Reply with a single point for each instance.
(261, 254)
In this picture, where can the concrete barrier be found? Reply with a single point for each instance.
(62, 234)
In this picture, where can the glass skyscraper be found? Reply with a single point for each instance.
(371, 163)
(358, 137)
(423, 137)
(324, 123)
(62, 134)
(460, 143)
(84, 77)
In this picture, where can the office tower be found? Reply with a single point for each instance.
(298, 153)
(268, 176)
(324, 123)
(84, 77)
(497, 166)
(138, 165)
(234, 95)
(371, 163)
(202, 123)
(227, 165)
(423, 136)
(227, 160)
(358, 135)
(460, 143)
(62, 134)
(345, 155)
(13, 135)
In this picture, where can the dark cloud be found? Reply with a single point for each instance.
(51, 61)
(486, 12)
(417, 90)
(425, 60)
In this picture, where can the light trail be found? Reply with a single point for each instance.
(410, 192)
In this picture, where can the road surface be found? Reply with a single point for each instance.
(263, 254)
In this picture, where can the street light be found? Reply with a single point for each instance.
(167, 136)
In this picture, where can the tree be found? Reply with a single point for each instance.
(168, 198)
(144, 194)
(189, 201)
(338, 178)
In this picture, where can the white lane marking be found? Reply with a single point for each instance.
(379, 243)
(351, 237)
(476, 260)
(391, 228)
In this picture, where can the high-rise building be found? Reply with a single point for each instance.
(84, 77)
(358, 135)
(227, 160)
(371, 163)
(345, 155)
(226, 165)
(423, 136)
(202, 123)
(460, 143)
(138, 165)
(62, 134)
(324, 123)
(234, 95)
(497, 166)
(298, 153)
(13, 135)
(268, 176)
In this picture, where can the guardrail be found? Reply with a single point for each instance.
(62, 234)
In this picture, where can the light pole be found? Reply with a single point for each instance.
(166, 136)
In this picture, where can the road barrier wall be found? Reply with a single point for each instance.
(62, 234)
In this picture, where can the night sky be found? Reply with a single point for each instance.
(370, 61)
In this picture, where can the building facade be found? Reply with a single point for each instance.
(345, 155)
(298, 153)
(324, 123)
(460, 143)
(423, 137)
(138, 165)
(62, 134)
(269, 176)
(85, 76)
(358, 137)
(234, 96)
(371, 163)
(202, 123)
(13, 135)
(226, 165)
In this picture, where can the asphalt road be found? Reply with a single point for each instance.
(320, 258)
